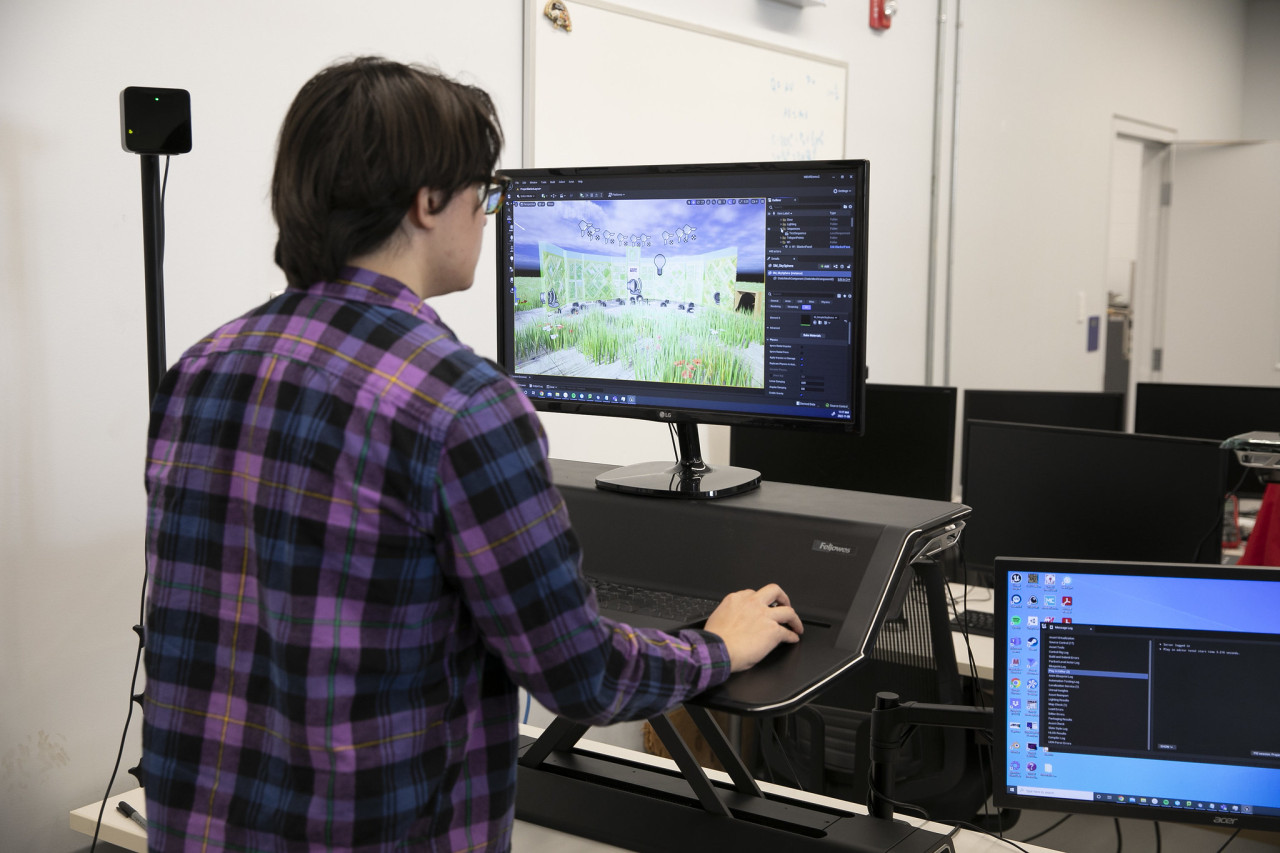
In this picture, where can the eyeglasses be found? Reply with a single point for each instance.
(493, 192)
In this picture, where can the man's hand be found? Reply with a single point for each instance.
(754, 621)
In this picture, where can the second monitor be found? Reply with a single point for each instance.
(908, 448)
(1040, 491)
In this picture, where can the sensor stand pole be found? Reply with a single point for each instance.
(153, 261)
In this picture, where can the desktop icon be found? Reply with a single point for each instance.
(1066, 619)
(1033, 621)
(1015, 621)
(1015, 704)
(1048, 768)
(1015, 578)
(1032, 684)
(1066, 601)
(1033, 726)
(1031, 662)
(1031, 767)
(1015, 683)
(1015, 745)
(1015, 726)
(1014, 663)
(1033, 600)
(1032, 642)
(1015, 600)
(1050, 601)
(1050, 580)
(1032, 704)
(1066, 580)
(1015, 766)
(1033, 577)
(1015, 641)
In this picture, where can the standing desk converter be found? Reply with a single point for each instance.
(839, 555)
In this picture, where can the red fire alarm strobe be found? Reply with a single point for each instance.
(882, 12)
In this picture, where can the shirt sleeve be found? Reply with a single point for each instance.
(509, 547)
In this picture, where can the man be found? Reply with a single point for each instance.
(356, 552)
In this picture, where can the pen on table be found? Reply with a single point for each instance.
(131, 813)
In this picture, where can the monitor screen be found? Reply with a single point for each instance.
(1138, 690)
(1209, 411)
(1084, 409)
(1040, 491)
(908, 447)
(721, 293)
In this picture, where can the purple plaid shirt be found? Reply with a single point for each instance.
(355, 556)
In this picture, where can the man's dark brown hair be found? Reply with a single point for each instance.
(359, 141)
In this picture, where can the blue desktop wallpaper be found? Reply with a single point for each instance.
(1059, 593)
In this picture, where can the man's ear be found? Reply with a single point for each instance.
(427, 204)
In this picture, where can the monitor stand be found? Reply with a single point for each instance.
(644, 807)
(690, 477)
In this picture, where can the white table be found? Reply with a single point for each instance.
(531, 838)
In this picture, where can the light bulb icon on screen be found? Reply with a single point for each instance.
(659, 261)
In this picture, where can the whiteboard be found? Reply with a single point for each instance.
(626, 87)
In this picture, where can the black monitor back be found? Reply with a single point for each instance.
(1041, 491)
(1209, 411)
(908, 448)
(1084, 409)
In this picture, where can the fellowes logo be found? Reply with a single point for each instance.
(831, 547)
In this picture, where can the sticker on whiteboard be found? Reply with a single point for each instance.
(558, 14)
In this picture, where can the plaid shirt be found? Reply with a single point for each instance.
(356, 554)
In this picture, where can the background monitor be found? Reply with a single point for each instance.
(722, 293)
(1084, 409)
(1209, 411)
(1138, 690)
(1040, 491)
(908, 447)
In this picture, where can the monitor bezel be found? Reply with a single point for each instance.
(1001, 675)
(693, 414)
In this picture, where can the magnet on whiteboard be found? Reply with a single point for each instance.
(558, 14)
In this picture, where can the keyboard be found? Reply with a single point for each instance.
(977, 622)
(625, 598)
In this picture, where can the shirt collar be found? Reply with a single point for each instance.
(356, 284)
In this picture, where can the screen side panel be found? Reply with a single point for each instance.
(1045, 492)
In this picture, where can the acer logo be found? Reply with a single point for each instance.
(1227, 820)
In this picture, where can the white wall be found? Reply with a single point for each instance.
(1039, 84)
(72, 340)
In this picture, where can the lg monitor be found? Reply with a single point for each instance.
(1138, 690)
(722, 294)
(908, 447)
(1040, 491)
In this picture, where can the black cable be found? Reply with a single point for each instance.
(1156, 824)
(782, 750)
(1228, 841)
(1049, 829)
(1218, 521)
(671, 433)
(1119, 837)
(124, 735)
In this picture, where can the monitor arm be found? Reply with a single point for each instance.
(892, 722)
